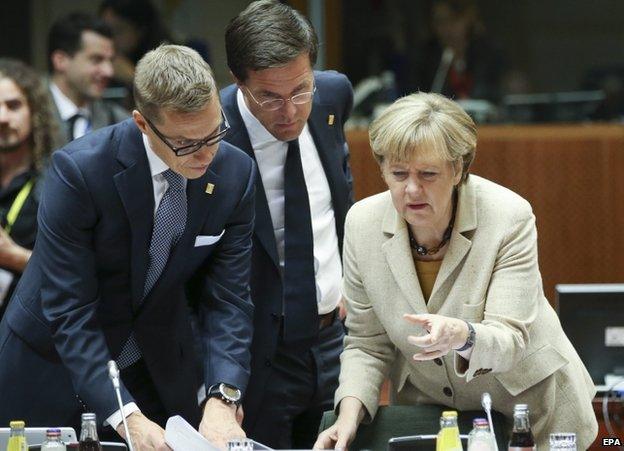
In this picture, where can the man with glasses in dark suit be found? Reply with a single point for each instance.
(290, 120)
(129, 215)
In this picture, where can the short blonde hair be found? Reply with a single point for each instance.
(172, 77)
(424, 123)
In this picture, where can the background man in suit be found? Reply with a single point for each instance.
(290, 120)
(80, 56)
(129, 214)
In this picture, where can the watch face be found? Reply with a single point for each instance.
(231, 393)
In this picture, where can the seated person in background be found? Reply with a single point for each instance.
(26, 136)
(80, 54)
(459, 60)
(443, 290)
(137, 28)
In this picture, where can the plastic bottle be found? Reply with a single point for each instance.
(481, 438)
(17, 439)
(53, 441)
(448, 437)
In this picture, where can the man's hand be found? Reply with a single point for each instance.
(145, 434)
(12, 256)
(240, 415)
(219, 424)
(444, 335)
(342, 309)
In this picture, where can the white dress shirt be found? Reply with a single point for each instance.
(68, 109)
(160, 185)
(271, 156)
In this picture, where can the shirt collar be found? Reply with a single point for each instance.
(258, 135)
(66, 107)
(157, 166)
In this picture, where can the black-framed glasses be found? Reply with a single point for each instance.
(185, 146)
(275, 104)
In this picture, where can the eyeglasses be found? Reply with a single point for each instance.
(185, 146)
(275, 104)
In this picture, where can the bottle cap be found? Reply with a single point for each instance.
(17, 424)
(53, 432)
(480, 422)
(88, 416)
(449, 414)
(521, 407)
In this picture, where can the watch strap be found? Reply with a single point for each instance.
(471, 338)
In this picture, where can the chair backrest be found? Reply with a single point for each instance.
(399, 421)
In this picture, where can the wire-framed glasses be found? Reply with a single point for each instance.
(275, 104)
(183, 146)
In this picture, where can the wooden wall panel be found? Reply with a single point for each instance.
(573, 176)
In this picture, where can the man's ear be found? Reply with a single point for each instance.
(60, 60)
(238, 82)
(139, 120)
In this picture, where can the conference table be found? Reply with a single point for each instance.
(573, 176)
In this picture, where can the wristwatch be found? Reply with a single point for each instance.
(471, 338)
(228, 393)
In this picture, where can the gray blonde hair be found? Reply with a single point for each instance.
(424, 124)
(172, 77)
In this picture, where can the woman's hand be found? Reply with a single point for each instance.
(444, 334)
(342, 432)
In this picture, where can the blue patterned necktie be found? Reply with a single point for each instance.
(169, 226)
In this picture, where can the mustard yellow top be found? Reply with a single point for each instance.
(427, 273)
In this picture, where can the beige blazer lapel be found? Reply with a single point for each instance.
(459, 245)
(399, 257)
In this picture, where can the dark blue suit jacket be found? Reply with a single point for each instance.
(333, 96)
(80, 296)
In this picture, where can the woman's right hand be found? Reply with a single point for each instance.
(342, 432)
(337, 436)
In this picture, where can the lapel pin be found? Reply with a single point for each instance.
(209, 188)
(330, 119)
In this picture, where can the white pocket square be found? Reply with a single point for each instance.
(207, 240)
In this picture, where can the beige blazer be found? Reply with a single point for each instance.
(489, 277)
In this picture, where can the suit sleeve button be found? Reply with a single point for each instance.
(438, 361)
(447, 391)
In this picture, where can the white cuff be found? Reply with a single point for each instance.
(115, 419)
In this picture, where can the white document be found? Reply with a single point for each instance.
(207, 240)
(181, 436)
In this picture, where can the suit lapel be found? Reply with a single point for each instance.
(263, 228)
(459, 245)
(199, 205)
(331, 159)
(399, 258)
(134, 185)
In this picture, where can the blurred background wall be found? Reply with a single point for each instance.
(555, 43)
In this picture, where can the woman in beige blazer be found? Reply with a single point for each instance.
(443, 289)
